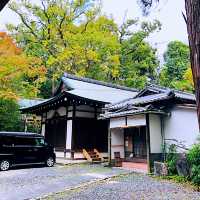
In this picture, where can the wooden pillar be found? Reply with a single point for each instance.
(73, 131)
(148, 143)
(68, 139)
(66, 117)
(69, 153)
(43, 129)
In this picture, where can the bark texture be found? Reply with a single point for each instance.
(193, 27)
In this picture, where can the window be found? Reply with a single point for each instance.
(24, 141)
(39, 142)
(7, 141)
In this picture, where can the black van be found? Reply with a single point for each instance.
(17, 148)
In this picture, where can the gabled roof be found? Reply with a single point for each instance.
(62, 99)
(153, 93)
(156, 89)
(132, 111)
(23, 103)
(95, 90)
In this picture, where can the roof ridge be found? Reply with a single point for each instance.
(97, 82)
(168, 88)
(168, 93)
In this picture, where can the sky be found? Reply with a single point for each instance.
(169, 13)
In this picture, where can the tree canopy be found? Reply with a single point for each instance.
(19, 75)
(176, 72)
(10, 119)
(74, 37)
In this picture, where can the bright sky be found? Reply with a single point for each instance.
(169, 14)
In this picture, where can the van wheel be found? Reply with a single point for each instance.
(50, 162)
(4, 165)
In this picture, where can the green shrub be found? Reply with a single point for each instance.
(171, 159)
(10, 119)
(193, 157)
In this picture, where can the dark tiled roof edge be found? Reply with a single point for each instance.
(167, 88)
(89, 80)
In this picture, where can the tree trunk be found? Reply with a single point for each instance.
(193, 27)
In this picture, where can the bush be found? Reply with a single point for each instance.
(193, 157)
(171, 159)
(10, 119)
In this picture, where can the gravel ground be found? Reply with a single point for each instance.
(130, 187)
(26, 183)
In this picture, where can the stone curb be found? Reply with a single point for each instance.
(82, 185)
(70, 164)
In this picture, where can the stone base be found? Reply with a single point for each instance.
(160, 169)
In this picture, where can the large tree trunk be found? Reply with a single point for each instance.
(193, 27)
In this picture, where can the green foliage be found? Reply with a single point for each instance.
(19, 74)
(33, 127)
(171, 159)
(177, 61)
(74, 37)
(193, 157)
(9, 116)
(138, 59)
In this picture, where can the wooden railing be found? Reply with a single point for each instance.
(87, 155)
(99, 155)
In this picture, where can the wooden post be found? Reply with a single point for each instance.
(73, 131)
(148, 143)
(66, 132)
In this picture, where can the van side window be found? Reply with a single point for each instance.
(7, 141)
(24, 141)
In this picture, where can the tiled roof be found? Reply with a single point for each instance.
(140, 100)
(23, 103)
(133, 111)
(160, 93)
(96, 90)
(96, 82)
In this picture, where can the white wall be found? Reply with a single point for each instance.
(61, 111)
(50, 114)
(155, 133)
(182, 125)
(117, 142)
(136, 120)
(117, 122)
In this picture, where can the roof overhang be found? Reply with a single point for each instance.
(132, 112)
(63, 99)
